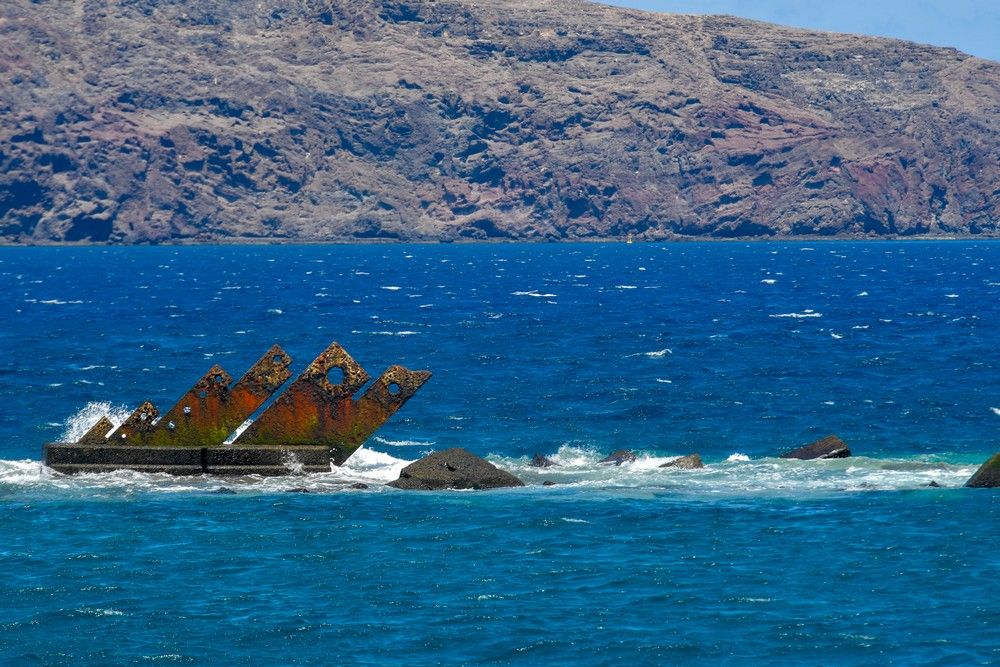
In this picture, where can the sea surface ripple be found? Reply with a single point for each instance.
(736, 351)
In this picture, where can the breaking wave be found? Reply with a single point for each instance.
(81, 422)
(738, 474)
(577, 468)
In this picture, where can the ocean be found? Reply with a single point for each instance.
(735, 351)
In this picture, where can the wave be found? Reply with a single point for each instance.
(84, 418)
(738, 474)
(536, 294)
(655, 354)
(577, 468)
(403, 443)
(805, 313)
(366, 467)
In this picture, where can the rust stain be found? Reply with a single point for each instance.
(98, 433)
(211, 409)
(317, 411)
(138, 425)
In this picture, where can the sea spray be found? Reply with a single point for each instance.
(80, 422)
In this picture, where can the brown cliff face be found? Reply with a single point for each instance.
(131, 121)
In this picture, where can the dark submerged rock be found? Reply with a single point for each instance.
(619, 456)
(225, 491)
(934, 485)
(298, 489)
(830, 447)
(358, 485)
(540, 461)
(548, 482)
(688, 462)
(988, 475)
(453, 469)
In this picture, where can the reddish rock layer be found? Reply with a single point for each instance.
(151, 121)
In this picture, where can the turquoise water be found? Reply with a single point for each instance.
(735, 351)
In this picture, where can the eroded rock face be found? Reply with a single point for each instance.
(689, 462)
(344, 120)
(453, 469)
(988, 475)
(830, 447)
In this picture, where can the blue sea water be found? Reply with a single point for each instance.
(736, 351)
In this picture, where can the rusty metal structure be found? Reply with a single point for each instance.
(316, 421)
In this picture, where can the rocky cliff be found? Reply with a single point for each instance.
(131, 121)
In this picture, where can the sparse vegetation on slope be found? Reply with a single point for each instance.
(135, 121)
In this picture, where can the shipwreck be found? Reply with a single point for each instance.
(316, 421)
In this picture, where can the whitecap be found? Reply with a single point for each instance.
(625, 287)
(995, 411)
(737, 458)
(402, 443)
(803, 314)
(391, 288)
(769, 281)
(534, 293)
(370, 465)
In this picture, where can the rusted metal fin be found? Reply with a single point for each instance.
(98, 433)
(314, 407)
(316, 410)
(137, 426)
(212, 409)
(382, 399)
(265, 376)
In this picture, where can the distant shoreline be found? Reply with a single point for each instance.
(471, 242)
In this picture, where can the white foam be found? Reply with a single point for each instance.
(391, 288)
(79, 423)
(655, 354)
(403, 443)
(534, 293)
(368, 465)
(737, 458)
(803, 314)
(769, 281)
(995, 411)
(625, 287)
